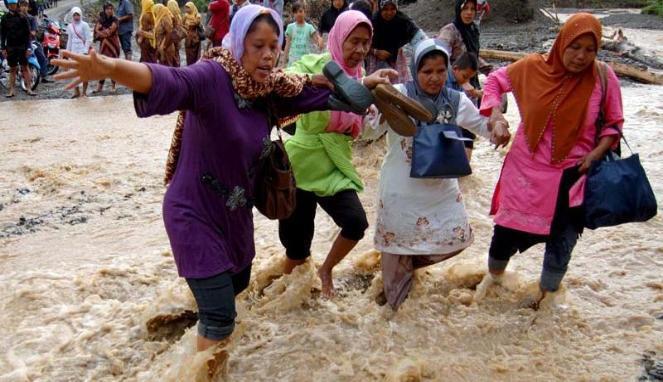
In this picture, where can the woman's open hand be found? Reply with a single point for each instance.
(382, 76)
(83, 68)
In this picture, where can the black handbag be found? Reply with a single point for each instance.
(438, 150)
(201, 33)
(617, 189)
(275, 190)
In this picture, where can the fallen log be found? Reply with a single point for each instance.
(627, 50)
(621, 69)
(637, 74)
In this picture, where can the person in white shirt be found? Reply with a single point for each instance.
(79, 41)
(421, 222)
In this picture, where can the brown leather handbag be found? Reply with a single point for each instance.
(275, 191)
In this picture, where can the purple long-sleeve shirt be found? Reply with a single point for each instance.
(207, 208)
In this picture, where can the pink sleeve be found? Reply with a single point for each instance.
(613, 110)
(496, 85)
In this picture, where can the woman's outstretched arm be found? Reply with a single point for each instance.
(84, 68)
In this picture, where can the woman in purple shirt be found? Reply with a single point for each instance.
(207, 208)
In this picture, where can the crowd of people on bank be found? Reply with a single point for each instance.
(234, 95)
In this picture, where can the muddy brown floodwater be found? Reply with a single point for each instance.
(85, 263)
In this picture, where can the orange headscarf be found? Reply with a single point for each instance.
(545, 90)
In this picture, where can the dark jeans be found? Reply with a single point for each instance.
(566, 228)
(125, 41)
(296, 232)
(559, 246)
(215, 297)
(43, 63)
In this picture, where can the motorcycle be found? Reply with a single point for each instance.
(33, 66)
(50, 41)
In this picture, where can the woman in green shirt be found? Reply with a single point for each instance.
(321, 155)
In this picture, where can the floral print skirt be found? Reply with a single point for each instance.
(418, 216)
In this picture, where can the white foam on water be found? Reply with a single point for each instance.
(75, 297)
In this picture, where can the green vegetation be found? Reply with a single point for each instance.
(201, 5)
(655, 7)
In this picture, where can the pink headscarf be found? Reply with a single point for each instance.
(346, 22)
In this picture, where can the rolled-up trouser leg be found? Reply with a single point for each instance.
(557, 256)
(502, 247)
(215, 297)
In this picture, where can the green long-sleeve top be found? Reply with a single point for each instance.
(321, 161)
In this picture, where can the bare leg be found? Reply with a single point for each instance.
(84, 94)
(217, 364)
(100, 87)
(339, 250)
(12, 81)
(536, 303)
(204, 343)
(27, 76)
(290, 264)
(468, 152)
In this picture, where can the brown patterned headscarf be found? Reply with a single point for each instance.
(284, 85)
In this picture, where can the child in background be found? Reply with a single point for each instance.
(462, 70)
(299, 36)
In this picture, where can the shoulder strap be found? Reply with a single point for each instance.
(454, 101)
(602, 70)
(76, 33)
(600, 119)
(603, 77)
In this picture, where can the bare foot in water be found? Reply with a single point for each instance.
(327, 283)
(534, 302)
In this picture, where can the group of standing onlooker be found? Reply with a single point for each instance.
(112, 30)
(18, 31)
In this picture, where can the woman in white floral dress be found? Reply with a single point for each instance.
(421, 222)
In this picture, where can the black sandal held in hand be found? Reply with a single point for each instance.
(351, 96)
